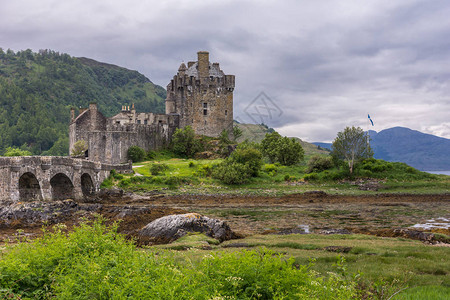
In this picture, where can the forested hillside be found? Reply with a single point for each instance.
(37, 91)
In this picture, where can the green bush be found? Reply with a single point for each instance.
(136, 154)
(151, 155)
(184, 142)
(280, 149)
(245, 162)
(156, 169)
(95, 262)
(319, 163)
(311, 177)
(232, 172)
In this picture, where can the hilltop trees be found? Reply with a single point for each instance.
(351, 146)
(280, 149)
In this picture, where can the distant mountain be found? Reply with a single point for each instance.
(257, 132)
(37, 91)
(419, 150)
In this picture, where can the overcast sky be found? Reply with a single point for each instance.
(306, 68)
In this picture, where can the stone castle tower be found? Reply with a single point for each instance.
(202, 95)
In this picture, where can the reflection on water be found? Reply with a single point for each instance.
(438, 223)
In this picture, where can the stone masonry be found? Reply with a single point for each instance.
(200, 95)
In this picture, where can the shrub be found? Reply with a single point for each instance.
(245, 162)
(280, 149)
(311, 177)
(319, 163)
(232, 172)
(151, 155)
(184, 142)
(191, 164)
(79, 147)
(136, 154)
(95, 262)
(156, 169)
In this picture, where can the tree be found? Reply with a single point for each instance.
(237, 132)
(269, 145)
(351, 146)
(79, 148)
(12, 151)
(290, 152)
(136, 154)
(184, 142)
(245, 162)
(286, 151)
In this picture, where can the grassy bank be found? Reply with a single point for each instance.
(94, 262)
(180, 176)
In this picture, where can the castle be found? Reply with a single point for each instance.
(200, 95)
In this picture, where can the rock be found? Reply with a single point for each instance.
(108, 194)
(414, 234)
(334, 231)
(339, 249)
(170, 228)
(37, 212)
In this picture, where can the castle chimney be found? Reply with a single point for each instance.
(93, 115)
(203, 64)
(72, 114)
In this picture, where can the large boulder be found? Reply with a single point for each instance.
(170, 228)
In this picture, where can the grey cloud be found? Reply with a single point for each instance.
(326, 64)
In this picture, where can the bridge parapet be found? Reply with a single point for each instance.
(52, 177)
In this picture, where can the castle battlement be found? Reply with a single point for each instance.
(199, 95)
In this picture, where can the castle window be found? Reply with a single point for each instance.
(145, 122)
(139, 121)
(205, 112)
(226, 112)
(205, 105)
(117, 122)
(205, 108)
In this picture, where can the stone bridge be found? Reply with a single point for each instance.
(52, 177)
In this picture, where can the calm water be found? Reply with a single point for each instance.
(439, 172)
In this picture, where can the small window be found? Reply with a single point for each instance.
(205, 112)
(205, 122)
(226, 112)
(139, 121)
(145, 122)
(205, 105)
(117, 122)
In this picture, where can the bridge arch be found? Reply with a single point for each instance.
(29, 187)
(62, 187)
(87, 185)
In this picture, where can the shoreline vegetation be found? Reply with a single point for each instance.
(355, 248)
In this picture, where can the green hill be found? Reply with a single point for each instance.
(257, 132)
(37, 91)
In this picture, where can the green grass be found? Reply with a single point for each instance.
(190, 176)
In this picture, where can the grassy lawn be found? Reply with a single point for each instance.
(189, 176)
(384, 264)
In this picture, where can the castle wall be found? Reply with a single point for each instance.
(203, 97)
(109, 139)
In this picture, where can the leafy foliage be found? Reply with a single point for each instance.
(37, 91)
(245, 162)
(351, 146)
(12, 151)
(184, 142)
(79, 147)
(136, 154)
(318, 163)
(94, 262)
(282, 149)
